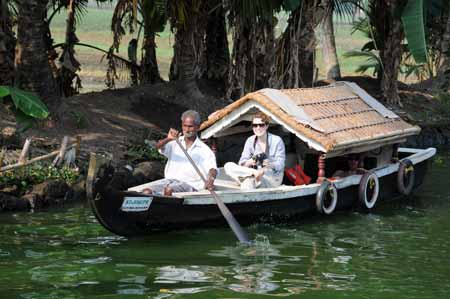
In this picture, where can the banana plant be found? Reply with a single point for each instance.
(26, 106)
(387, 24)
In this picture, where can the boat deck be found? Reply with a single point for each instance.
(230, 192)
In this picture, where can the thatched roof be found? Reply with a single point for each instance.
(333, 119)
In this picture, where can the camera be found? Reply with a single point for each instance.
(259, 158)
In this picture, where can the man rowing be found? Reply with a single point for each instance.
(179, 174)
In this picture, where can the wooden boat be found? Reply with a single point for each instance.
(320, 126)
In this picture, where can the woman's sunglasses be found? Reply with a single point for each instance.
(258, 125)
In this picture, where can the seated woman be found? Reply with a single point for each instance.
(262, 160)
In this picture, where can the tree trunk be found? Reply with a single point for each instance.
(391, 52)
(150, 71)
(188, 60)
(33, 71)
(69, 65)
(217, 52)
(7, 45)
(252, 58)
(295, 65)
(330, 58)
(442, 81)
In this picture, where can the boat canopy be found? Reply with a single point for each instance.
(335, 119)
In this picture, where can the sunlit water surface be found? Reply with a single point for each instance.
(401, 250)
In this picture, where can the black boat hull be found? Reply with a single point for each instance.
(169, 213)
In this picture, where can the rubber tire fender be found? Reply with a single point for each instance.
(406, 168)
(367, 179)
(325, 189)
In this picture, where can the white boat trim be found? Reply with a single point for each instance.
(285, 192)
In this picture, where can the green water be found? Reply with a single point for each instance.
(402, 250)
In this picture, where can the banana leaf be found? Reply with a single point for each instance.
(26, 102)
(24, 121)
(414, 27)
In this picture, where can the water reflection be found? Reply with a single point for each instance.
(400, 249)
(256, 269)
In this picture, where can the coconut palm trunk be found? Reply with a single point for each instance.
(150, 71)
(70, 81)
(217, 52)
(252, 57)
(33, 71)
(330, 58)
(188, 60)
(388, 21)
(442, 81)
(7, 45)
(295, 63)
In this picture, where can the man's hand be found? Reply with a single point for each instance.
(173, 134)
(249, 163)
(210, 183)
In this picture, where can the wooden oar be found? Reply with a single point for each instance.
(237, 229)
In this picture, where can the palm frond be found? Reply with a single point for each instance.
(154, 13)
(178, 13)
(80, 8)
(372, 61)
(345, 8)
(12, 7)
(122, 11)
(251, 10)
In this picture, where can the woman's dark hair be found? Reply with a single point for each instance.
(265, 118)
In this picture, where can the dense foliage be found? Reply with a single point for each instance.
(139, 153)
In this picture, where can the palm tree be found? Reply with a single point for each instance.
(385, 29)
(188, 19)
(149, 15)
(33, 71)
(331, 62)
(443, 77)
(252, 62)
(343, 8)
(7, 45)
(154, 18)
(217, 52)
(67, 73)
(388, 21)
(295, 63)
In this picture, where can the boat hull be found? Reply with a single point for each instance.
(169, 213)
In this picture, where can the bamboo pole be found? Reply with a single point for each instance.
(2, 156)
(31, 161)
(25, 150)
(60, 157)
(77, 145)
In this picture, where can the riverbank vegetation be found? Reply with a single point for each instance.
(148, 60)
